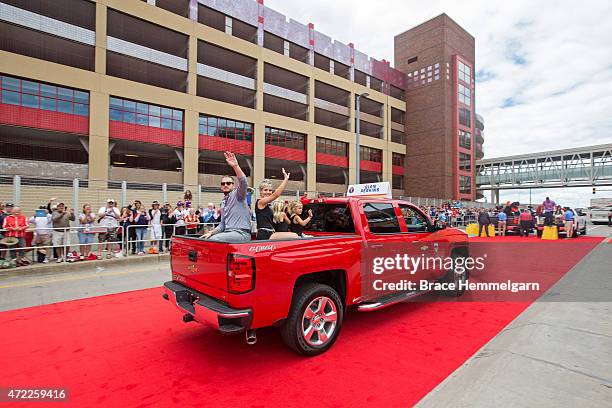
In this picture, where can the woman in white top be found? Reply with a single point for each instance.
(156, 228)
(180, 213)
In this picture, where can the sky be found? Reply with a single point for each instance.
(543, 69)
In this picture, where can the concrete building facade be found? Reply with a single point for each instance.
(154, 91)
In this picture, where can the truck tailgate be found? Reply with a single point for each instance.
(200, 265)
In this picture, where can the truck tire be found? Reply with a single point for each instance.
(314, 320)
(455, 277)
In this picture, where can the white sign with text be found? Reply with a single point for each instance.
(382, 190)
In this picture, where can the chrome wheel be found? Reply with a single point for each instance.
(319, 321)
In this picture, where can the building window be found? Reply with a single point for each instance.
(465, 162)
(285, 138)
(31, 94)
(123, 110)
(370, 154)
(397, 159)
(397, 182)
(465, 117)
(465, 139)
(227, 128)
(465, 184)
(333, 147)
(465, 73)
(465, 95)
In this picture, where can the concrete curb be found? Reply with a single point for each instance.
(66, 267)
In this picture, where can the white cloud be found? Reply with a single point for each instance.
(561, 95)
(547, 65)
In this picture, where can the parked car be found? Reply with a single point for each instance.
(304, 286)
(579, 226)
(599, 215)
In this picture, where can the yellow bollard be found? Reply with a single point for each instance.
(491, 231)
(550, 232)
(471, 230)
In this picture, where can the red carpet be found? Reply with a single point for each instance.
(132, 350)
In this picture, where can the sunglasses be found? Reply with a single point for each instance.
(227, 183)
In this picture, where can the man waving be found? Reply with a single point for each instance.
(235, 223)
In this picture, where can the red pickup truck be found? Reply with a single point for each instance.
(304, 285)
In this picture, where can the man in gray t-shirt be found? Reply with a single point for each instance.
(235, 223)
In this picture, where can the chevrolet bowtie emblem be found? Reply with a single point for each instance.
(192, 268)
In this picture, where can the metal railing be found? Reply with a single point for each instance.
(122, 242)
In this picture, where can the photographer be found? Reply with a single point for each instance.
(108, 217)
(141, 220)
(61, 217)
(167, 222)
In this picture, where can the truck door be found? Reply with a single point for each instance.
(384, 243)
(418, 230)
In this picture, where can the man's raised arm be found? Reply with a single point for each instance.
(241, 190)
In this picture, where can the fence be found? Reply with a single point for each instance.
(59, 249)
(31, 192)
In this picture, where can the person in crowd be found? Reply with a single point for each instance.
(188, 198)
(502, 223)
(191, 221)
(297, 224)
(568, 218)
(15, 225)
(125, 220)
(3, 214)
(558, 215)
(61, 217)
(156, 227)
(610, 218)
(483, 222)
(180, 214)
(548, 207)
(263, 210)
(280, 220)
(235, 225)
(108, 217)
(167, 220)
(130, 233)
(86, 237)
(141, 223)
(525, 222)
(209, 215)
(43, 227)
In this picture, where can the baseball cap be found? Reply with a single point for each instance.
(179, 203)
(9, 205)
(110, 200)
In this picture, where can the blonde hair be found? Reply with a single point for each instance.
(278, 208)
(265, 183)
(293, 205)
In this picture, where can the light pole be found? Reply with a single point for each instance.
(357, 131)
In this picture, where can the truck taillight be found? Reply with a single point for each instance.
(240, 273)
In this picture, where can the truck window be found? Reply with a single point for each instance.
(415, 221)
(330, 218)
(381, 218)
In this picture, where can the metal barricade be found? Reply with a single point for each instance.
(129, 242)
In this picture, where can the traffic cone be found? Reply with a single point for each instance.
(550, 233)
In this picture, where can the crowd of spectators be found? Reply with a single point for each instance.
(48, 230)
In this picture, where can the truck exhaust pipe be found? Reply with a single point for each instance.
(251, 337)
(187, 318)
